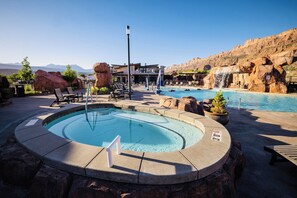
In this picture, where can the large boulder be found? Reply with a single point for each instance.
(268, 78)
(169, 103)
(88, 187)
(284, 58)
(208, 81)
(48, 81)
(277, 88)
(50, 182)
(78, 83)
(17, 166)
(102, 75)
(189, 104)
(247, 67)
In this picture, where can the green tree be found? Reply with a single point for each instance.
(69, 74)
(26, 72)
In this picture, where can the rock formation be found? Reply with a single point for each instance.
(22, 169)
(47, 81)
(50, 182)
(281, 44)
(256, 65)
(78, 83)
(189, 104)
(268, 78)
(17, 166)
(102, 75)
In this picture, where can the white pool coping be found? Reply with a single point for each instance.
(190, 164)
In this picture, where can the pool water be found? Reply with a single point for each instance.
(249, 100)
(138, 131)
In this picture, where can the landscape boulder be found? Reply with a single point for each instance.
(247, 67)
(268, 78)
(277, 88)
(284, 58)
(188, 104)
(78, 83)
(209, 81)
(50, 182)
(102, 75)
(48, 81)
(169, 103)
(17, 166)
(89, 187)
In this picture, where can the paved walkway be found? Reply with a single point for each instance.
(252, 128)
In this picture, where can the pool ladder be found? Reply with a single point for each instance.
(87, 99)
(117, 142)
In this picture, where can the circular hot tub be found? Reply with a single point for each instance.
(142, 132)
(200, 145)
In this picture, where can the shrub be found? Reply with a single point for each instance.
(103, 90)
(28, 88)
(219, 103)
(94, 90)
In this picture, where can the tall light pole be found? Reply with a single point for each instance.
(129, 72)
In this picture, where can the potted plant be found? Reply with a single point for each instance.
(218, 110)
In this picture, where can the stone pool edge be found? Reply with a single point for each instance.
(190, 164)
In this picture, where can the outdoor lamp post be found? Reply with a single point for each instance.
(129, 72)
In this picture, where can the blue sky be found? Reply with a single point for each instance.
(163, 32)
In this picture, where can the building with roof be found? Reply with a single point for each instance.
(139, 73)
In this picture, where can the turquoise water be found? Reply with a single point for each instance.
(249, 100)
(138, 131)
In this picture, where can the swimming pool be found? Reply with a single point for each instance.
(249, 100)
(139, 131)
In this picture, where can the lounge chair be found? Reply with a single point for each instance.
(280, 153)
(62, 98)
(122, 87)
(115, 94)
(77, 95)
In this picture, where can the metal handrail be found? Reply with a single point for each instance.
(87, 98)
(117, 142)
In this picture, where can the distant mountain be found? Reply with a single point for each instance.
(9, 68)
(73, 67)
(7, 72)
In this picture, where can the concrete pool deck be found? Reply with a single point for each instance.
(254, 129)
